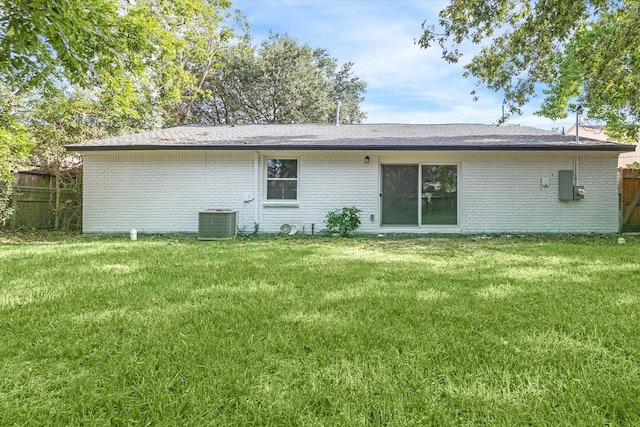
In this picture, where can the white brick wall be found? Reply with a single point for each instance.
(503, 193)
(157, 192)
(498, 192)
(326, 182)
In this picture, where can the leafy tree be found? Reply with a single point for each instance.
(148, 58)
(281, 81)
(68, 66)
(75, 40)
(583, 51)
(58, 120)
(192, 36)
(41, 37)
(14, 148)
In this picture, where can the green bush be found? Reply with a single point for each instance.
(634, 165)
(343, 221)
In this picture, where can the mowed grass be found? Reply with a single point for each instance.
(320, 331)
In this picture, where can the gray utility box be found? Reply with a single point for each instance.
(215, 224)
(566, 189)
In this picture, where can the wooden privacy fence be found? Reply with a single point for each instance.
(630, 192)
(35, 208)
(38, 205)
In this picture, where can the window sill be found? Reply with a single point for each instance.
(281, 204)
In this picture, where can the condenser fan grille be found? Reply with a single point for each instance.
(216, 224)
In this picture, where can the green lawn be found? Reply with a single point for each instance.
(320, 331)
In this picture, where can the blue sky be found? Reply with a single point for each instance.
(406, 84)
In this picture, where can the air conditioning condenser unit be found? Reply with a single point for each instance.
(215, 224)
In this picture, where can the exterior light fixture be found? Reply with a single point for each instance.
(366, 159)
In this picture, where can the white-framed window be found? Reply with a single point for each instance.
(282, 179)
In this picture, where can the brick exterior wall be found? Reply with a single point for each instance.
(326, 182)
(504, 193)
(160, 192)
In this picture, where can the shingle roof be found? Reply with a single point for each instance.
(385, 137)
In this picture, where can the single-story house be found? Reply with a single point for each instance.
(453, 178)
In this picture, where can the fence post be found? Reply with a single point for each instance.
(56, 223)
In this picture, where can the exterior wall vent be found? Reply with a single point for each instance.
(215, 224)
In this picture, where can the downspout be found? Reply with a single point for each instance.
(256, 188)
(575, 160)
(578, 112)
(576, 165)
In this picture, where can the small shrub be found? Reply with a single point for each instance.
(343, 221)
(634, 165)
(6, 211)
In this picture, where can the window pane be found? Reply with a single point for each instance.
(282, 190)
(282, 168)
(400, 195)
(439, 194)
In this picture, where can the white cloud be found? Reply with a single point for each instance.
(406, 84)
(453, 113)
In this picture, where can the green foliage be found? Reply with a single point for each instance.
(280, 81)
(634, 165)
(580, 52)
(76, 70)
(144, 60)
(6, 210)
(65, 119)
(343, 221)
(42, 38)
(15, 144)
(72, 71)
(80, 41)
(15, 141)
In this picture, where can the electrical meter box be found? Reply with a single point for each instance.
(565, 185)
(566, 189)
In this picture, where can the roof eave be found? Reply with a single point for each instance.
(200, 147)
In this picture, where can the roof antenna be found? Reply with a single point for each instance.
(338, 114)
(578, 112)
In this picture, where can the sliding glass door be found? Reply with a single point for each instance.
(419, 195)
(439, 195)
(400, 195)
